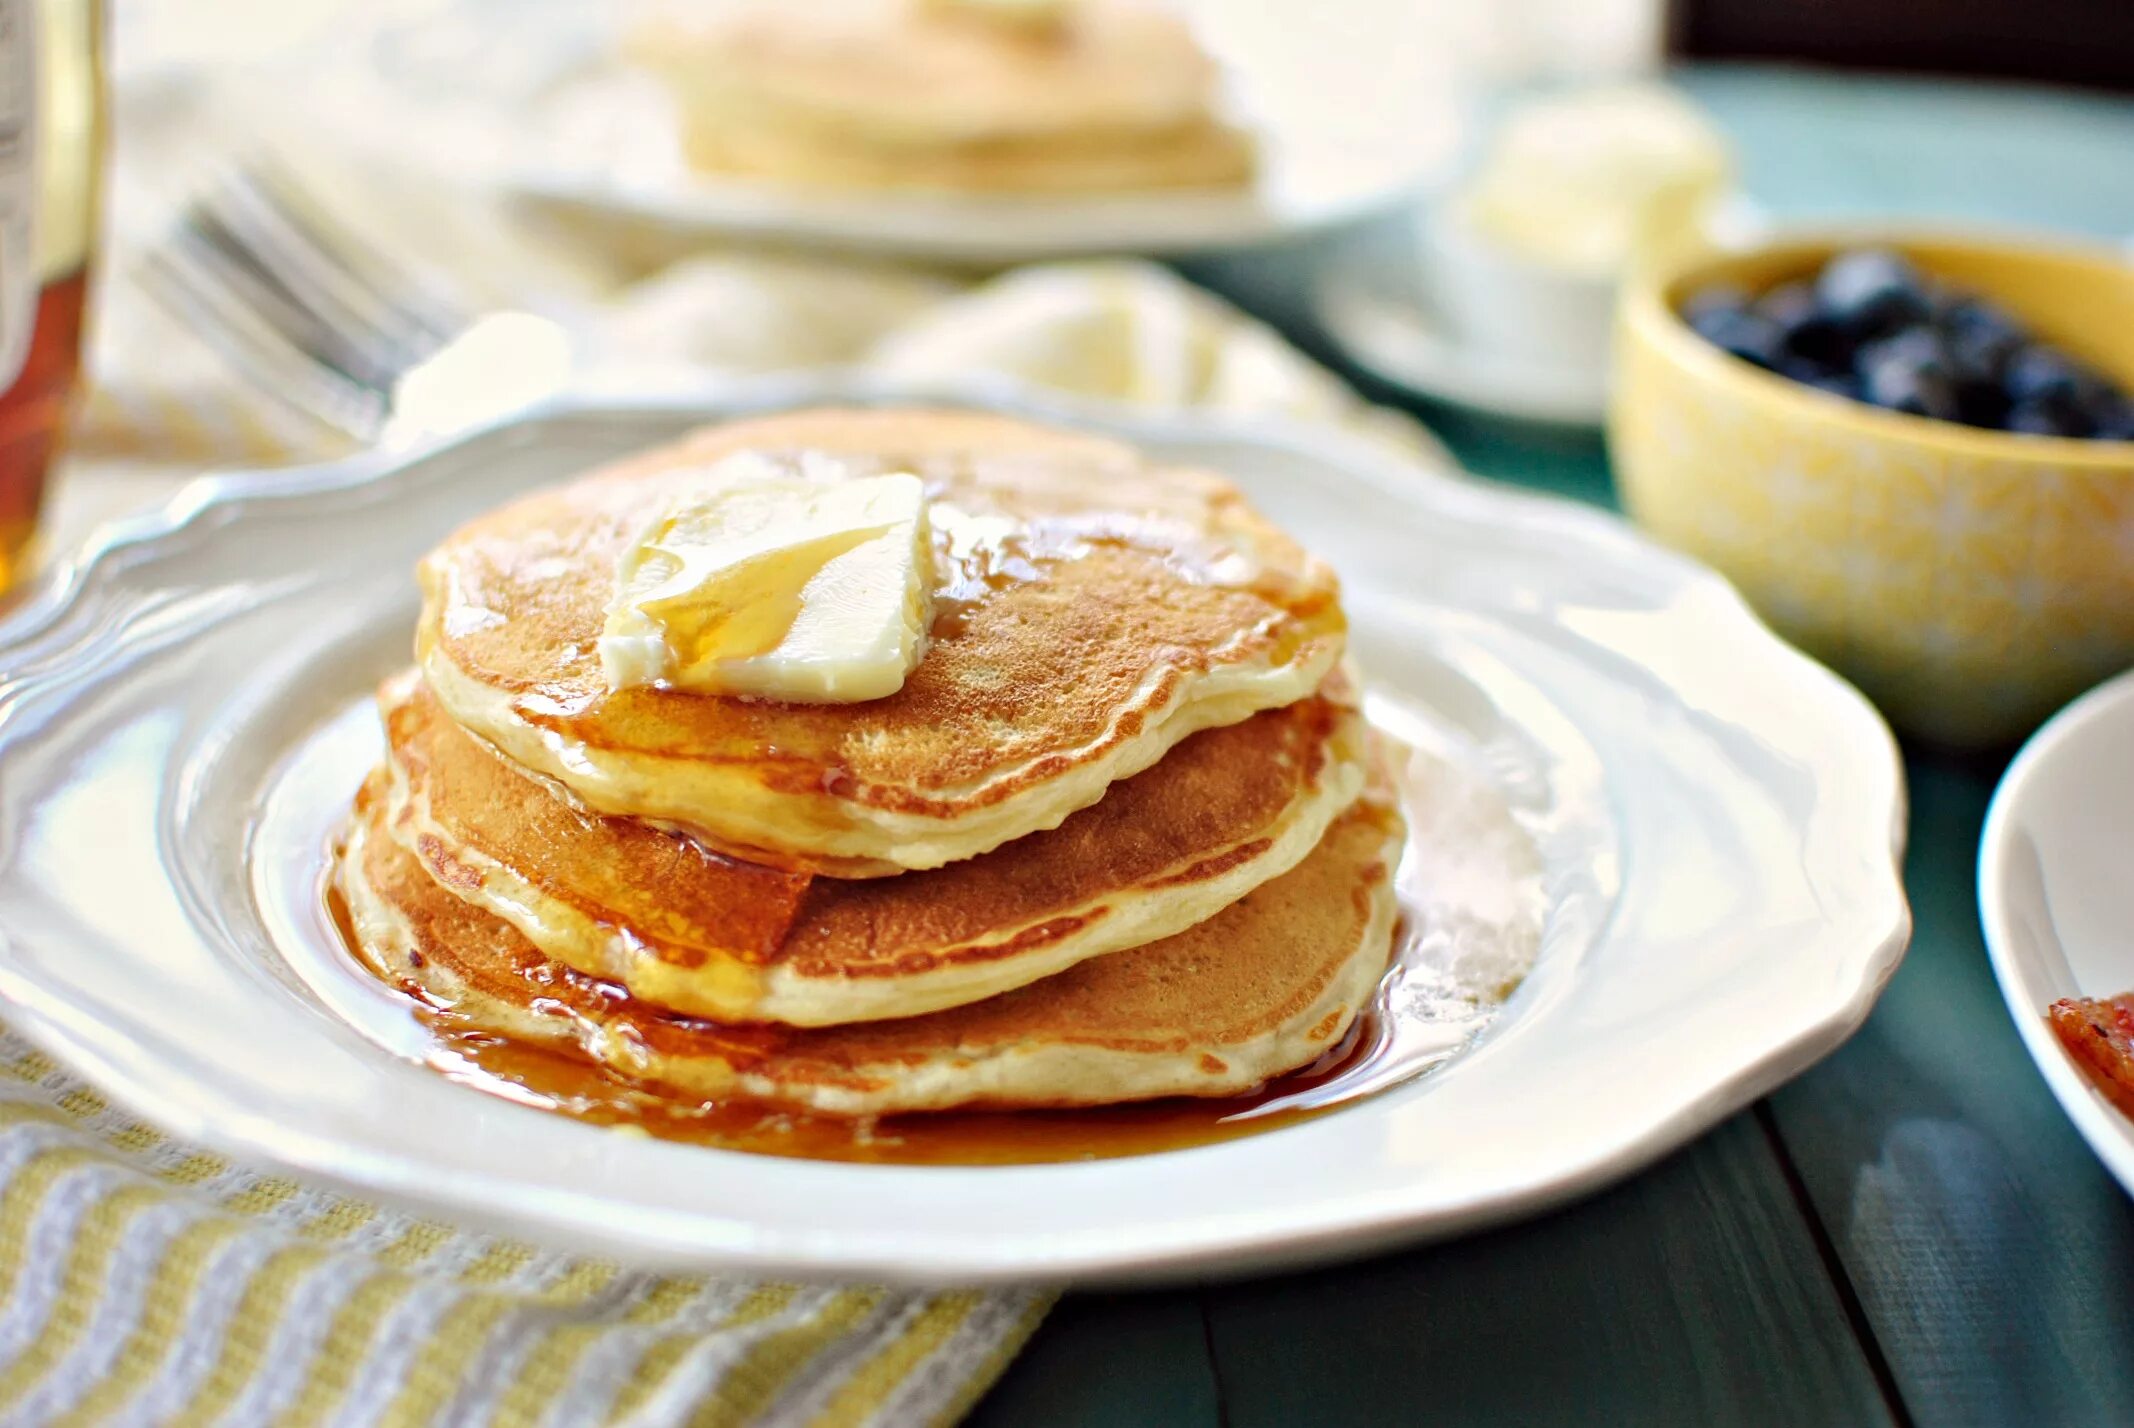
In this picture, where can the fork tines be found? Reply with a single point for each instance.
(312, 313)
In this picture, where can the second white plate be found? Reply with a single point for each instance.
(1347, 124)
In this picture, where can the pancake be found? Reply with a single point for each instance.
(1262, 987)
(1203, 155)
(897, 94)
(1092, 611)
(692, 931)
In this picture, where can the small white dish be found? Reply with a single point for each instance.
(1408, 346)
(1497, 302)
(1715, 818)
(2055, 897)
(1430, 308)
(1298, 192)
(1388, 309)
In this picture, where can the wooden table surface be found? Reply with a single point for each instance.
(1911, 1232)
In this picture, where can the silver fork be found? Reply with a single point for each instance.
(305, 308)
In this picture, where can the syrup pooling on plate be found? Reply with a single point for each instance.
(1472, 912)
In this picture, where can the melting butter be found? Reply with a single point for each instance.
(778, 585)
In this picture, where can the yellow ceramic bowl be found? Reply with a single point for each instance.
(1969, 581)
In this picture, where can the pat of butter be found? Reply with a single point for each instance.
(778, 586)
(1574, 181)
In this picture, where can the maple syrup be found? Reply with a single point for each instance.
(32, 412)
(1373, 1054)
(51, 149)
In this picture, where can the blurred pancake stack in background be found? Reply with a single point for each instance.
(978, 96)
(1034, 778)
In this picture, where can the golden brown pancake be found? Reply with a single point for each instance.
(1262, 987)
(1107, 97)
(1204, 155)
(1093, 611)
(693, 931)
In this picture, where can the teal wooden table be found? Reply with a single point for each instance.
(1909, 1233)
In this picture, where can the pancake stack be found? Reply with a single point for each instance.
(1117, 836)
(977, 96)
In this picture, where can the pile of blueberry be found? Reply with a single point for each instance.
(1870, 327)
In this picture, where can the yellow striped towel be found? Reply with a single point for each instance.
(148, 1282)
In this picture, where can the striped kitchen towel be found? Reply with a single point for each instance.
(145, 1281)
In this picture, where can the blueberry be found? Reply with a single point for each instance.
(1789, 303)
(2101, 409)
(1918, 391)
(2040, 373)
(1871, 292)
(1838, 381)
(1981, 341)
(1909, 373)
(1981, 357)
(1706, 302)
(1980, 401)
(1976, 318)
(1912, 347)
(1838, 384)
(1806, 330)
(2118, 424)
(2046, 416)
(1747, 335)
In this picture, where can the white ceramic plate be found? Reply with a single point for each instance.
(680, 210)
(1715, 816)
(1347, 124)
(2054, 893)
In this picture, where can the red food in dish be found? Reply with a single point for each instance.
(2100, 1036)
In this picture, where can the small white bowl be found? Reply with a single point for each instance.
(1494, 301)
(2054, 896)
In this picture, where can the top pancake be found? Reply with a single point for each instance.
(1092, 611)
(903, 93)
